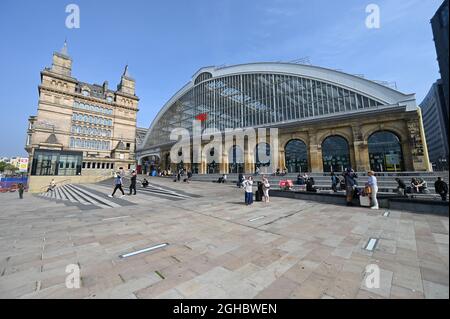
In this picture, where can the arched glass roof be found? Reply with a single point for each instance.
(268, 94)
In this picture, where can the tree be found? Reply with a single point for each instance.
(6, 167)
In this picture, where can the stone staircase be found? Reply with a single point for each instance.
(83, 197)
(386, 181)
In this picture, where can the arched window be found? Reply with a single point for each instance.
(296, 156)
(385, 152)
(262, 155)
(335, 154)
(236, 160)
(72, 142)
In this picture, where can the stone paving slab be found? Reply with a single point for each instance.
(218, 248)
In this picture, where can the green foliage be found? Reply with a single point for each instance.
(7, 167)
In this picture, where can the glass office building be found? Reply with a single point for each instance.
(325, 118)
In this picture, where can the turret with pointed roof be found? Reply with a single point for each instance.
(62, 63)
(127, 83)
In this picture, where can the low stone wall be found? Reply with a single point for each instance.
(387, 201)
(38, 184)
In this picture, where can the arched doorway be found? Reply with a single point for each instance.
(235, 160)
(150, 163)
(296, 156)
(262, 162)
(167, 161)
(385, 152)
(335, 154)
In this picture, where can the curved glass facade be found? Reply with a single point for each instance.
(385, 152)
(254, 100)
(335, 154)
(296, 156)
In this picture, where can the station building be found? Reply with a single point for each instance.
(327, 121)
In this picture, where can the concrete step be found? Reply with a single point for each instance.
(68, 194)
(98, 199)
(85, 198)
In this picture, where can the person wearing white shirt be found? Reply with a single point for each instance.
(248, 188)
(373, 183)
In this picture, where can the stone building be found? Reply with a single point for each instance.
(326, 120)
(81, 129)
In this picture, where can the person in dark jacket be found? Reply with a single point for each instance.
(300, 180)
(334, 182)
(441, 188)
(310, 185)
(133, 183)
(21, 188)
(401, 186)
(350, 184)
(240, 180)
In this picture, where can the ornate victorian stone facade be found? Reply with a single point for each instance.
(81, 129)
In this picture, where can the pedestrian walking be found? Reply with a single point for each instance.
(133, 183)
(441, 188)
(248, 188)
(21, 188)
(240, 180)
(350, 185)
(373, 184)
(118, 185)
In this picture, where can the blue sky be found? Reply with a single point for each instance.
(166, 42)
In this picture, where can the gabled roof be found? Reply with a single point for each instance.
(51, 139)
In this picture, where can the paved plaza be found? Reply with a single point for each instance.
(218, 247)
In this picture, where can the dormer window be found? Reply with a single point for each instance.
(109, 98)
(85, 92)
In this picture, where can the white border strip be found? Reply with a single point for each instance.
(256, 218)
(113, 218)
(144, 250)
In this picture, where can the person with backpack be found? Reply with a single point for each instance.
(133, 182)
(118, 185)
